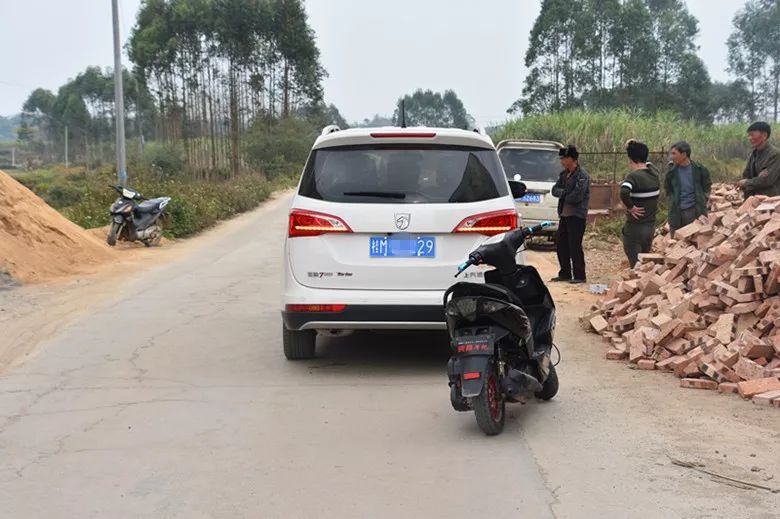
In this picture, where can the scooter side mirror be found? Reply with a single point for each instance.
(518, 189)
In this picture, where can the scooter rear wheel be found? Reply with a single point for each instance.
(490, 407)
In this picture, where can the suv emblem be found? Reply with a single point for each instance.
(402, 220)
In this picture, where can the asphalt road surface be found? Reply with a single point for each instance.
(172, 398)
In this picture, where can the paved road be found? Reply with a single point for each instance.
(174, 400)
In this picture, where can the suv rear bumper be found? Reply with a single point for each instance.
(369, 317)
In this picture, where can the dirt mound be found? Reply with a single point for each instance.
(37, 243)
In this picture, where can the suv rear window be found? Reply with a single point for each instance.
(533, 165)
(403, 174)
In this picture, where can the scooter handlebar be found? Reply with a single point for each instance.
(475, 258)
(530, 231)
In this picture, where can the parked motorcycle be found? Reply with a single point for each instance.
(134, 218)
(501, 333)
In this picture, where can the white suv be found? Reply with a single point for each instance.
(381, 219)
(538, 166)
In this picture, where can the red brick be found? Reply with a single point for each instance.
(696, 383)
(599, 324)
(728, 388)
(679, 346)
(766, 398)
(668, 364)
(617, 354)
(757, 349)
(753, 387)
(749, 370)
(745, 308)
(647, 364)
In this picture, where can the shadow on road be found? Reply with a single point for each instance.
(385, 352)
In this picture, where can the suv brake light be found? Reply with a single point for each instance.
(489, 224)
(403, 135)
(311, 223)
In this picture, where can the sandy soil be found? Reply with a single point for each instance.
(37, 243)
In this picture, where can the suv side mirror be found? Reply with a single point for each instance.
(518, 189)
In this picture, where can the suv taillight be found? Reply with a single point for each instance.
(311, 223)
(489, 224)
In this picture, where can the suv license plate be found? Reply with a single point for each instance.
(395, 247)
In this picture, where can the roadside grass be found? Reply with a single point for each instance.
(84, 197)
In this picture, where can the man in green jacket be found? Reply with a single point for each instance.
(762, 173)
(687, 185)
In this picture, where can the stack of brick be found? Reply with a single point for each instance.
(705, 304)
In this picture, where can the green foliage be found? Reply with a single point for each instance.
(85, 105)
(375, 122)
(164, 159)
(722, 148)
(84, 197)
(607, 53)
(754, 55)
(428, 108)
(220, 67)
(279, 147)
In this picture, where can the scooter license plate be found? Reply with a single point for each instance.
(473, 345)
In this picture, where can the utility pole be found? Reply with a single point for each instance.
(119, 101)
(66, 145)
(13, 158)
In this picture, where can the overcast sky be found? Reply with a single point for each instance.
(373, 50)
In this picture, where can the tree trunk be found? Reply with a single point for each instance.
(234, 165)
(286, 93)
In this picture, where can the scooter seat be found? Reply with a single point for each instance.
(150, 206)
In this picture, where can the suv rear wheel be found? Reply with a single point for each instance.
(298, 345)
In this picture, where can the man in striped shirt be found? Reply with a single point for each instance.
(639, 193)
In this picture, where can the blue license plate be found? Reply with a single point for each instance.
(398, 247)
(531, 198)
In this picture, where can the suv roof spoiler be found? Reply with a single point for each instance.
(516, 142)
(331, 128)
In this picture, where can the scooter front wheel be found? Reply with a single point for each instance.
(113, 234)
(490, 406)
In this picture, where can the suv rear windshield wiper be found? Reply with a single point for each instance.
(378, 194)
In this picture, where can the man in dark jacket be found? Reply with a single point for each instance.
(639, 193)
(687, 185)
(573, 193)
(762, 173)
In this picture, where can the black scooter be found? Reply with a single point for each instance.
(134, 218)
(501, 332)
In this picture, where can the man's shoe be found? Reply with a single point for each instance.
(578, 281)
(557, 279)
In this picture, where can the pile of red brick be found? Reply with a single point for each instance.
(706, 304)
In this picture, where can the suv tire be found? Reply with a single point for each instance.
(298, 345)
